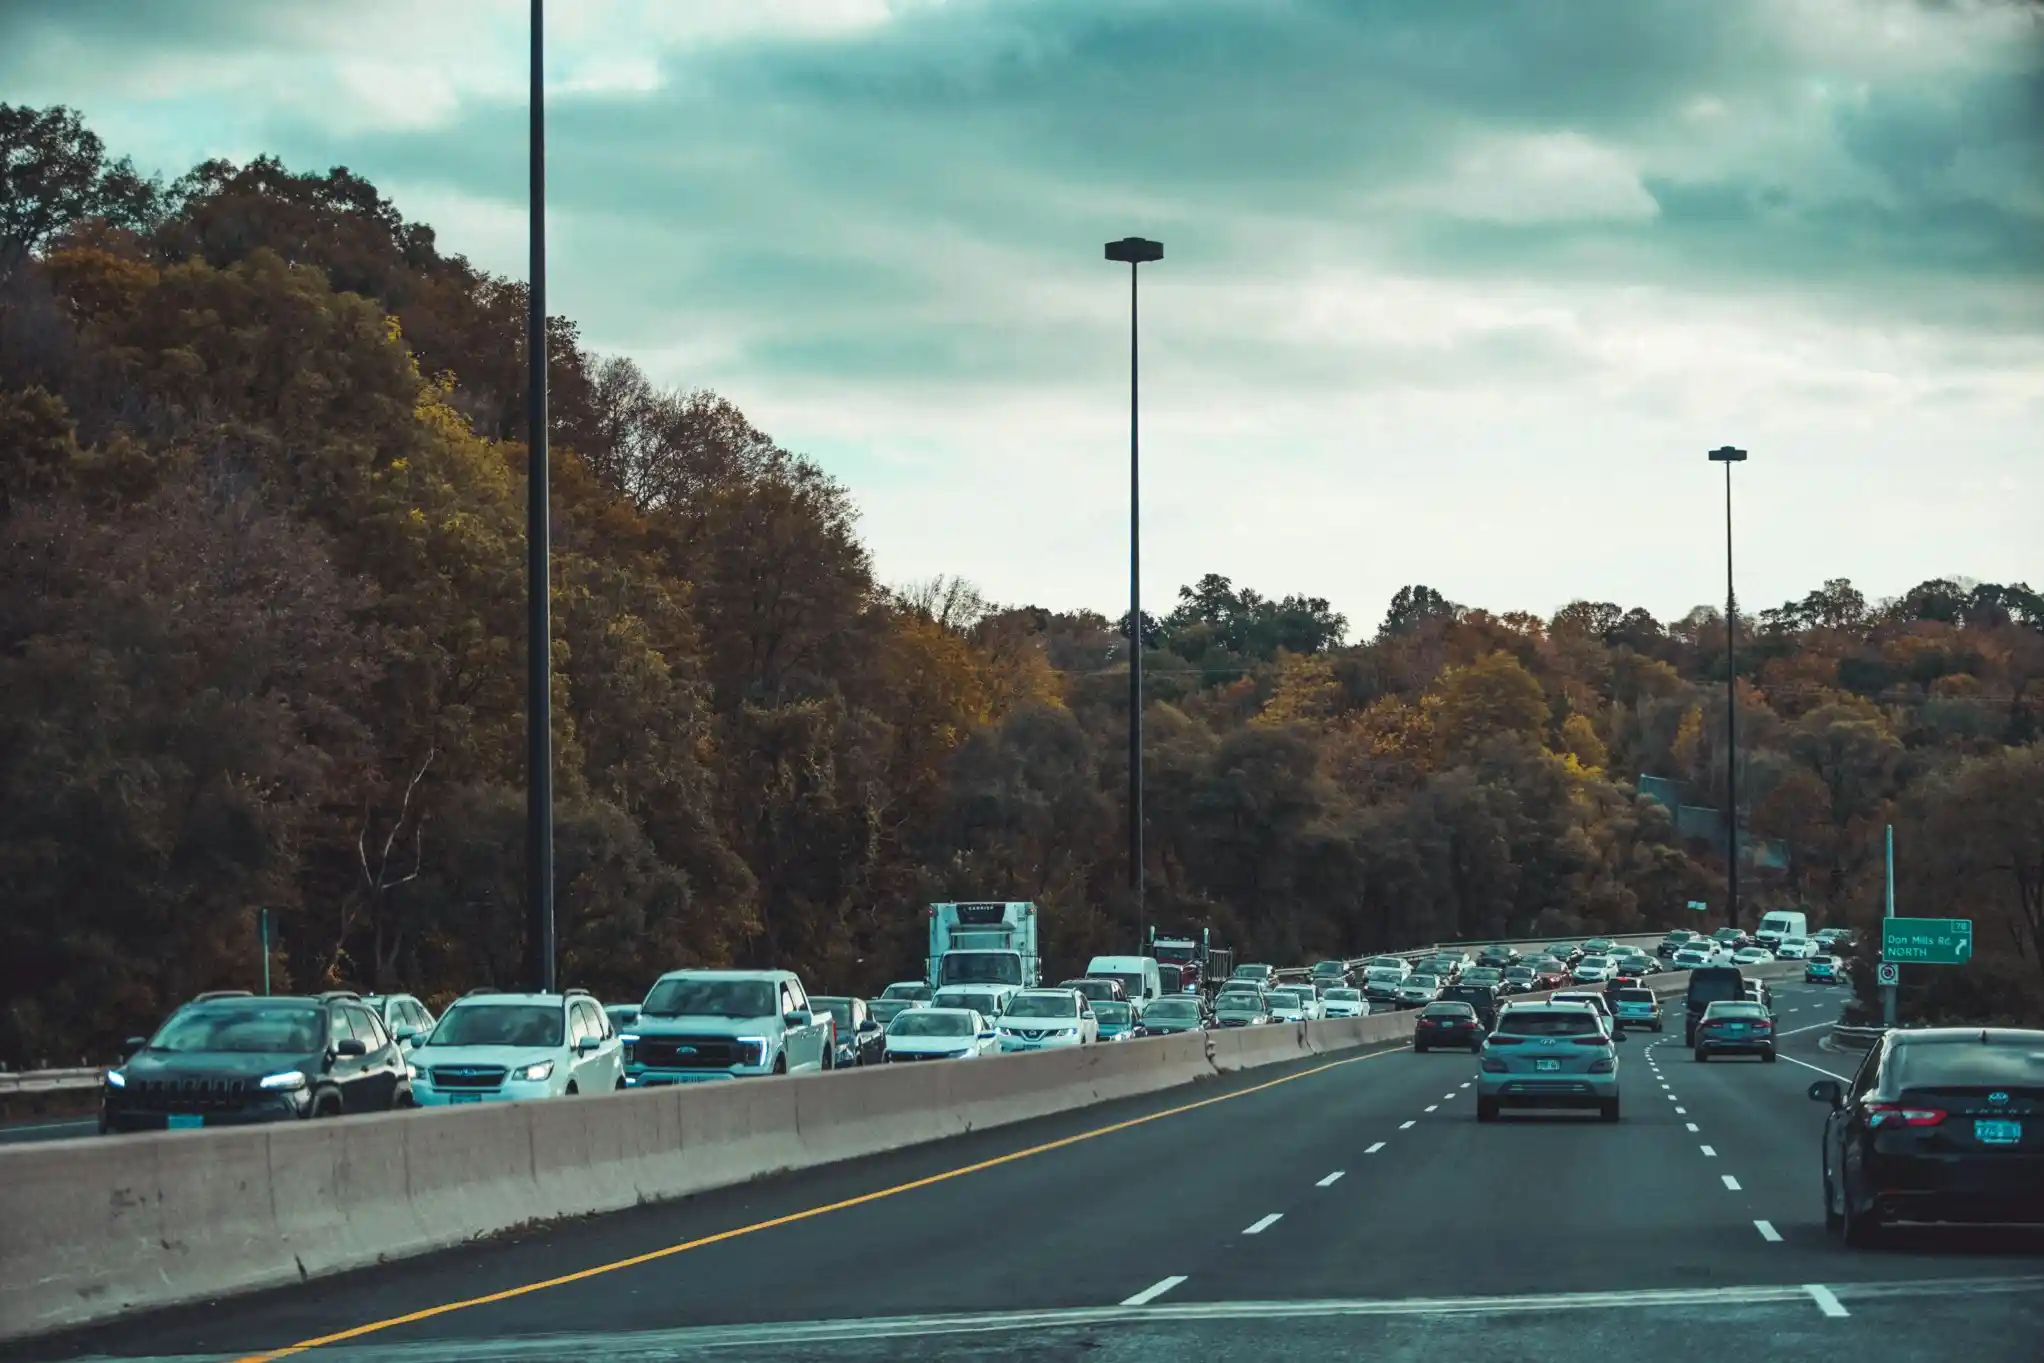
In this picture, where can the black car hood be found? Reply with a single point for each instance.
(215, 1064)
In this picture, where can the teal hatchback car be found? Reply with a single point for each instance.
(1637, 1008)
(1554, 1055)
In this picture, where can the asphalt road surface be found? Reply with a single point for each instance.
(1351, 1207)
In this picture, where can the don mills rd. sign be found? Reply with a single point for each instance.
(1927, 941)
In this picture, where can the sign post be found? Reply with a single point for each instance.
(1889, 990)
(263, 936)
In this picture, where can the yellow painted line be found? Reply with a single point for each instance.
(411, 1317)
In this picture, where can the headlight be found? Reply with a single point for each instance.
(535, 1072)
(285, 1082)
(411, 1071)
(115, 1079)
(760, 1047)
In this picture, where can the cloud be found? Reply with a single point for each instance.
(1455, 273)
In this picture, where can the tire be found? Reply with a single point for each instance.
(1701, 1055)
(327, 1104)
(1657, 1028)
(830, 1057)
(620, 1086)
(1476, 1048)
(570, 1091)
(1861, 1230)
(1834, 1220)
(781, 1064)
(401, 1099)
(1418, 1049)
(1608, 1111)
(1768, 1056)
(1486, 1109)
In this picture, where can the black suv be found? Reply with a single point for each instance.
(1483, 998)
(231, 1059)
(1709, 984)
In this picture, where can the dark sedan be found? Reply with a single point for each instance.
(861, 1038)
(1175, 1013)
(1940, 1124)
(1737, 1028)
(1447, 1026)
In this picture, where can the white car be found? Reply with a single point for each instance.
(1595, 1002)
(1290, 1004)
(939, 1034)
(1418, 991)
(1694, 958)
(1592, 970)
(1794, 949)
(1345, 1003)
(500, 1047)
(1752, 956)
(1046, 1020)
(1397, 963)
(988, 1000)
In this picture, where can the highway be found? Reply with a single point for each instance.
(1350, 1203)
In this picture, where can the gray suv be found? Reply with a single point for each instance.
(1552, 1055)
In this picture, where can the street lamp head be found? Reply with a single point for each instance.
(1135, 251)
(1725, 454)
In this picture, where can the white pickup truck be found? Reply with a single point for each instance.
(698, 1025)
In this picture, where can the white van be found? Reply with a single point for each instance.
(1779, 924)
(1137, 974)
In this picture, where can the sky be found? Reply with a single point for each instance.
(1453, 292)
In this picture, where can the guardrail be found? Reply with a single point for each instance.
(1856, 1038)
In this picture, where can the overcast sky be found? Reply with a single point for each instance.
(1455, 292)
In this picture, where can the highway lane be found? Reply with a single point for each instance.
(1538, 1235)
(48, 1129)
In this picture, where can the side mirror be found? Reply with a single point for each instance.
(135, 1043)
(408, 1036)
(869, 1026)
(352, 1046)
(588, 1045)
(798, 1018)
(987, 1035)
(1827, 1091)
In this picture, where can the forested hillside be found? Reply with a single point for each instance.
(262, 642)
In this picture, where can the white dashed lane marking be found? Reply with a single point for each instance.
(1375, 1148)
(1154, 1291)
(1731, 1183)
(1768, 1232)
(1708, 1153)
(1406, 1126)
(1826, 1300)
(1331, 1179)
(1263, 1225)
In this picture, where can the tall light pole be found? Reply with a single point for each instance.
(1728, 456)
(1135, 251)
(539, 747)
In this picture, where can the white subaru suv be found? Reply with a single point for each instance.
(490, 1047)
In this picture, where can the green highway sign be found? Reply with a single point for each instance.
(1927, 941)
(1698, 905)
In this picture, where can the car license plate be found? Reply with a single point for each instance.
(186, 1121)
(1998, 1133)
(1736, 1027)
(464, 1097)
(1547, 1064)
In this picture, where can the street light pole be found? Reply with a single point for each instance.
(1728, 456)
(1135, 251)
(539, 757)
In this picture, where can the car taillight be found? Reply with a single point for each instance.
(1604, 1066)
(1891, 1114)
(1494, 1066)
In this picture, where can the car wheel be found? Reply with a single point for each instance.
(1486, 1109)
(1476, 1048)
(1834, 1222)
(1418, 1049)
(1608, 1110)
(620, 1086)
(1768, 1056)
(328, 1104)
(401, 1098)
(570, 1091)
(1862, 1229)
(830, 1057)
(1701, 1055)
(780, 1064)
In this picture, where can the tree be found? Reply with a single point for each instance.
(1412, 606)
(1492, 696)
(53, 173)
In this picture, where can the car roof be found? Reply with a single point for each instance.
(947, 1012)
(512, 996)
(1959, 1036)
(771, 976)
(1552, 1007)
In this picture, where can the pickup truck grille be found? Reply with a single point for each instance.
(189, 1095)
(693, 1053)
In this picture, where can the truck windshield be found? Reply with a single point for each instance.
(981, 967)
(1172, 951)
(701, 998)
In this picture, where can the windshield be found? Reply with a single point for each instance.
(697, 997)
(255, 1028)
(886, 1010)
(907, 989)
(1044, 1006)
(1113, 1014)
(930, 1022)
(1571, 1023)
(983, 1003)
(840, 1010)
(981, 967)
(1447, 1010)
(1236, 1000)
(499, 1024)
(1284, 998)
(1165, 951)
(1344, 996)
(1171, 1010)
(1380, 975)
(1423, 982)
